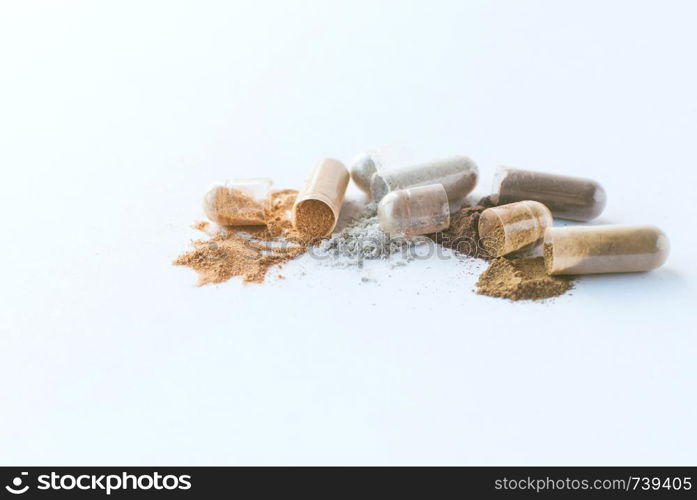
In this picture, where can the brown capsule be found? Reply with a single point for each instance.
(567, 197)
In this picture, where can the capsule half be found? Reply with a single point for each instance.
(414, 211)
(513, 227)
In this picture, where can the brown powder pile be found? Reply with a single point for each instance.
(278, 214)
(489, 201)
(463, 234)
(520, 279)
(248, 252)
(313, 219)
(231, 207)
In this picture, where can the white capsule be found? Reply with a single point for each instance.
(363, 167)
(457, 175)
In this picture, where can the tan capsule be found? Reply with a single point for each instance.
(567, 197)
(604, 249)
(414, 211)
(509, 228)
(317, 206)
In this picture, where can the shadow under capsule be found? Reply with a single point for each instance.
(660, 286)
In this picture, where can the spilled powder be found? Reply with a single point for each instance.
(247, 252)
(488, 201)
(463, 234)
(250, 252)
(362, 239)
(520, 279)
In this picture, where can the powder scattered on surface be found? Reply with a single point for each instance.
(362, 239)
(247, 252)
(231, 207)
(463, 234)
(520, 279)
(313, 219)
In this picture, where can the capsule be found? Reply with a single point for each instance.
(567, 197)
(457, 175)
(414, 211)
(237, 202)
(604, 249)
(363, 167)
(509, 228)
(317, 206)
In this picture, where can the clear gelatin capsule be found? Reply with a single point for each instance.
(368, 163)
(567, 197)
(237, 202)
(363, 167)
(509, 228)
(457, 175)
(604, 249)
(414, 211)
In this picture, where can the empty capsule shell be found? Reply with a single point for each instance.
(414, 211)
(509, 228)
(604, 249)
(458, 176)
(567, 197)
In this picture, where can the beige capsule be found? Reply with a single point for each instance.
(414, 211)
(567, 197)
(509, 228)
(604, 249)
(317, 207)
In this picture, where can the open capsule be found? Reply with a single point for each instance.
(237, 202)
(414, 211)
(509, 228)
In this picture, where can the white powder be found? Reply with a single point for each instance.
(363, 240)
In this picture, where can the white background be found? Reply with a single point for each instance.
(115, 116)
